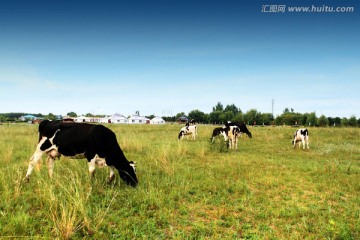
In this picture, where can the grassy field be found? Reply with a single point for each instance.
(188, 189)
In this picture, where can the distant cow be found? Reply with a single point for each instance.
(219, 131)
(188, 130)
(242, 127)
(301, 136)
(96, 143)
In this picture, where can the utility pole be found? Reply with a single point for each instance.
(272, 106)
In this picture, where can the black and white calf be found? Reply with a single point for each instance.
(230, 133)
(301, 136)
(96, 143)
(219, 131)
(188, 130)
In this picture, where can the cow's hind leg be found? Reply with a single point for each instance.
(307, 143)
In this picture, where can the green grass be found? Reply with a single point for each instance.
(188, 189)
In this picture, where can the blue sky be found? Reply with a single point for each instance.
(171, 56)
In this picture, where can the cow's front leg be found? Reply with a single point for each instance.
(33, 161)
(50, 164)
(112, 174)
(91, 164)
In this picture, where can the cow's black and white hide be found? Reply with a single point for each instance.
(242, 127)
(96, 143)
(219, 131)
(301, 136)
(188, 130)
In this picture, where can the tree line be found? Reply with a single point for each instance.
(221, 114)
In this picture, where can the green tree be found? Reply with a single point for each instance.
(352, 122)
(226, 116)
(322, 121)
(334, 122)
(218, 107)
(50, 116)
(198, 116)
(239, 117)
(251, 117)
(344, 122)
(71, 114)
(214, 117)
(232, 108)
(311, 119)
(290, 118)
(266, 118)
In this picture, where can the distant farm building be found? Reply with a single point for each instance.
(183, 119)
(28, 117)
(83, 119)
(118, 118)
(37, 121)
(68, 119)
(157, 120)
(136, 119)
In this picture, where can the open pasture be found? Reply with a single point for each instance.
(188, 189)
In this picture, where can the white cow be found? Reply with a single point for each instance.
(188, 130)
(301, 136)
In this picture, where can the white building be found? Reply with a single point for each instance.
(157, 120)
(83, 119)
(118, 118)
(136, 119)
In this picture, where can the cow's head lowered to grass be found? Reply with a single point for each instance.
(128, 174)
(96, 143)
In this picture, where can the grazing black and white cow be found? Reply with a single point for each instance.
(219, 131)
(96, 143)
(242, 127)
(301, 136)
(230, 134)
(233, 135)
(188, 130)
